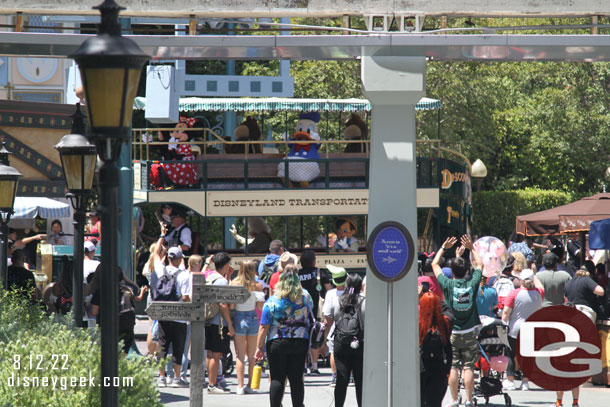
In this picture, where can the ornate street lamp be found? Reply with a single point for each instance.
(78, 158)
(110, 67)
(479, 171)
(9, 178)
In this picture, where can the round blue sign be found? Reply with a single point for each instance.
(390, 251)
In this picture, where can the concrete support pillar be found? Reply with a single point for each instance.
(393, 85)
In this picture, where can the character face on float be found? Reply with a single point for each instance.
(307, 130)
(179, 134)
(345, 230)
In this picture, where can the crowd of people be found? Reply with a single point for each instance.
(298, 312)
(288, 306)
(455, 298)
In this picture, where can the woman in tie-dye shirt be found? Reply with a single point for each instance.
(286, 322)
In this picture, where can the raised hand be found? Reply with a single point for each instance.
(466, 242)
(449, 242)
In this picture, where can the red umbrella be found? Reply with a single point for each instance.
(573, 217)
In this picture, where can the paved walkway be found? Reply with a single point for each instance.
(318, 393)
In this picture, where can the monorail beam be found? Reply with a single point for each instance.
(318, 8)
(472, 47)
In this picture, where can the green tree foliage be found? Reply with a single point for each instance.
(495, 211)
(542, 125)
(37, 347)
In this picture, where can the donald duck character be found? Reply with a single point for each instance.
(302, 148)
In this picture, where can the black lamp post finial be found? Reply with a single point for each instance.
(79, 121)
(110, 17)
(4, 154)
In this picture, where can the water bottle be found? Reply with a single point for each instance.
(256, 376)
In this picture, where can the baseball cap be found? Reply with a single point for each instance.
(174, 253)
(526, 274)
(89, 246)
(549, 260)
(339, 275)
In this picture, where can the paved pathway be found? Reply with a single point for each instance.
(318, 393)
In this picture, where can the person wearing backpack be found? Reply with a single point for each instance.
(173, 285)
(434, 349)
(218, 323)
(127, 311)
(270, 263)
(349, 339)
(330, 308)
(461, 295)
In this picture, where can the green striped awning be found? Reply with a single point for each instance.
(194, 104)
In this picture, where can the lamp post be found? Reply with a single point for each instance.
(9, 178)
(110, 67)
(479, 171)
(78, 158)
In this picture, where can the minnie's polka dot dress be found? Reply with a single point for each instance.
(183, 173)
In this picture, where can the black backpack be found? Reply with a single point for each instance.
(268, 271)
(128, 302)
(166, 289)
(349, 326)
(433, 347)
(127, 308)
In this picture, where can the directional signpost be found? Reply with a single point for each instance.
(193, 311)
(390, 253)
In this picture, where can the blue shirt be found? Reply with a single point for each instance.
(286, 318)
(487, 300)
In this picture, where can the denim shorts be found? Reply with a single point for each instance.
(245, 323)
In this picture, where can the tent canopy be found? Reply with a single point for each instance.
(29, 207)
(573, 217)
(195, 104)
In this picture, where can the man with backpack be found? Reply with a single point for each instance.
(173, 285)
(218, 323)
(270, 263)
(461, 295)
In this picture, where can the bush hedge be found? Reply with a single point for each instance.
(495, 212)
(39, 348)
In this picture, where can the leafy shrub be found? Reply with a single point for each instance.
(495, 212)
(39, 348)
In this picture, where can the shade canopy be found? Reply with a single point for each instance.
(599, 235)
(573, 217)
(30, 207)
(195, 104)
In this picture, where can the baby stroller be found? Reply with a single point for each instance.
(493, 343)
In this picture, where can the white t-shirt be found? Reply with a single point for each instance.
(331, 303)
(89, 266)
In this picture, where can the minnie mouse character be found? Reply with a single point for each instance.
(167, 175)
